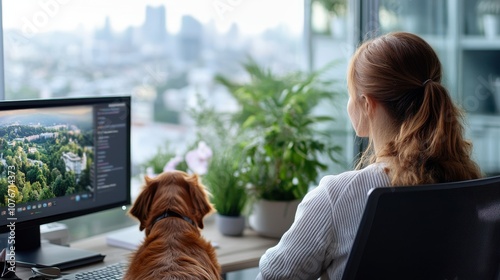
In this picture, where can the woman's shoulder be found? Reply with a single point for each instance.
(371, 172)
(362, 180)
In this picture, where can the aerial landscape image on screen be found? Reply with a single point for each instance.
(45, 153)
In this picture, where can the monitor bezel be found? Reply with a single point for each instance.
(75, 101)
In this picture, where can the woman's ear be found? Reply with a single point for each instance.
(369, 104)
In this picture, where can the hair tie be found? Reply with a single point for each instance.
(426, 81)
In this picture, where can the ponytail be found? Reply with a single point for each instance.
(430, 147)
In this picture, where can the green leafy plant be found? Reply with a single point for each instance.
(283, 149)
(223, 180)
(156, 163)
(229, 195)
(212, 129)
(334, 7)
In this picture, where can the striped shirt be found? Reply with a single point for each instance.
(321, 236)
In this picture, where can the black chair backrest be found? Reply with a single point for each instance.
(440, 231)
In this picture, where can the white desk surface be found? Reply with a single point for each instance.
(234, 253)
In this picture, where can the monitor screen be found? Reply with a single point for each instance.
(62, 158)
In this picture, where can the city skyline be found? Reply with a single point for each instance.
(164, 76)
(252, 17)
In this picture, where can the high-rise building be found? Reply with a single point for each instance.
(106, 33)
(190, 36)
(154, 28)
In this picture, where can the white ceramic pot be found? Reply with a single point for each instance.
(272, 218)
(231, 226)
(491, 26)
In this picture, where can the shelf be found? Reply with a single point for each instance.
(480, 43)
(482, 120)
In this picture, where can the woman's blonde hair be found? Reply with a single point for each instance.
(402, 72)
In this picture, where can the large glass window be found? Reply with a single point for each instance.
(163, 53)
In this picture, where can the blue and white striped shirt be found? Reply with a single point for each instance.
(320, 239)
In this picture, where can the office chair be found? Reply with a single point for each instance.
(448, 231)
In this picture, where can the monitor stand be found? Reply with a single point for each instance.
(31, 252)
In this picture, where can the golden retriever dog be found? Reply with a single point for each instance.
(170, 209)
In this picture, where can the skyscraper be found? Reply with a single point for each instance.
(154, 28)
(105, 34)
(191, 34)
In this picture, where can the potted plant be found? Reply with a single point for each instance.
(490, 11)
(229, 195)
(283, 148)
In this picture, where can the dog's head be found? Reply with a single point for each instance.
(174, 191)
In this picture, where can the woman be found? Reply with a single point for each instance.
(396, 99)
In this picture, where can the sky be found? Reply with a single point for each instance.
(252, 16)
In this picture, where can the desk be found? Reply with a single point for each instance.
(234, 253)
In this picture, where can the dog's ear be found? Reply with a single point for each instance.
(143, 202)
(199, 197)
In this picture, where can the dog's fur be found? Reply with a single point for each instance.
(173, 248)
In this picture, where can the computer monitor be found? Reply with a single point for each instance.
(59, 159)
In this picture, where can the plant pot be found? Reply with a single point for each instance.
(272, 218)
(229, 225)
(491, 25)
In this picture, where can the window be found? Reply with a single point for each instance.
(162, 53)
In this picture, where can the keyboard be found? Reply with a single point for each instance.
(114, 271)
